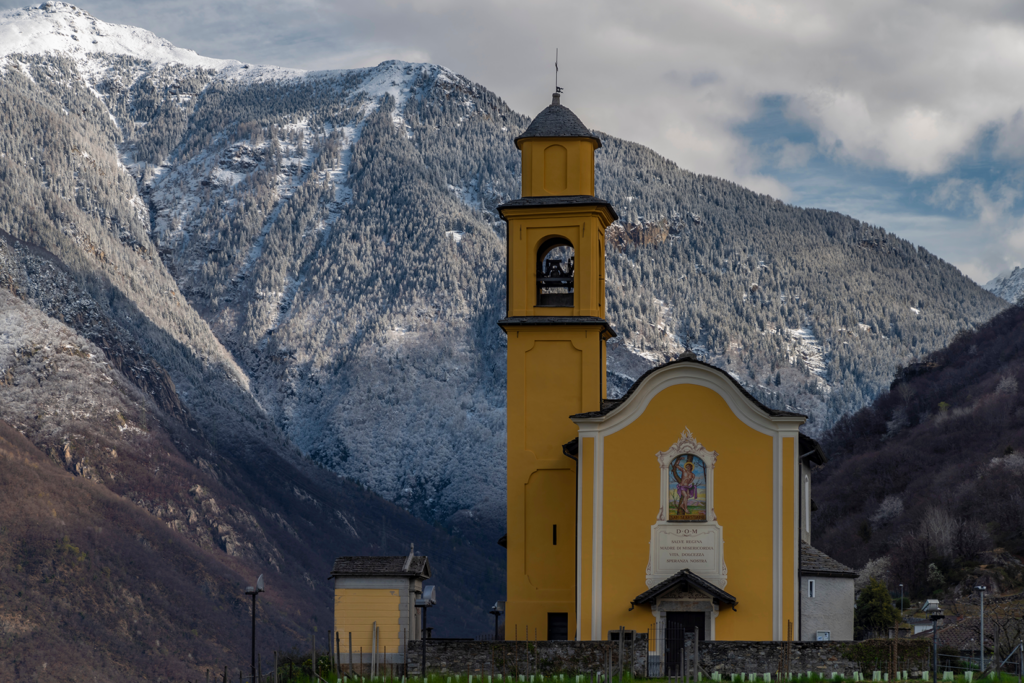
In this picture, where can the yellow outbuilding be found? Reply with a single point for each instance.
(683, 503)
(375, 612)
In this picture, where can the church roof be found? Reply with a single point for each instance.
(382, 565)
(610, 406)
(816, 563)
(688, 577)
(562, 200)
(557, 121)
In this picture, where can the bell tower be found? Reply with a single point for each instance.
(556, 363)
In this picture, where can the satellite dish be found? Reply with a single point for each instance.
(259, 583)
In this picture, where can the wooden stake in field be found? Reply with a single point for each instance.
(892, 649)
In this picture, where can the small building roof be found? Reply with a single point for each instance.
(557, 121)
(962, 635)
(812, 450)
(813, 562)
(685, 576)
(415, 566)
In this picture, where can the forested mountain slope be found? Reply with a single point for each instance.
(320, 253)
(928, 480)
(121, 526)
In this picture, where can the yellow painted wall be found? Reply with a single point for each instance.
(355, 610)
(558, 166)
(586, 503)
(743, 479)
(553, 372)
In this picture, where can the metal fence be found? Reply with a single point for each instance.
(673, 651)
(960, 664)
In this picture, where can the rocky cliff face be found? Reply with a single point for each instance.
(1009, 286)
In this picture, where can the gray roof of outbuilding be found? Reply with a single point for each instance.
(381, 565)
(816, 563)
(557, 121)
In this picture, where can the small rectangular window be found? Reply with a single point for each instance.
(824, 635)
(554, 534)
(810, 588)
(558, 626)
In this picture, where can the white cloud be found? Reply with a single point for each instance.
(794, 155)
(905, 85)
(900, 85)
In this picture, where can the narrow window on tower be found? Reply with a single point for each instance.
(554, 534)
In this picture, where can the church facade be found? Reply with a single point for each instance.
(683, 503)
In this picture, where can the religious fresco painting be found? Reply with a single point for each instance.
(688, 494)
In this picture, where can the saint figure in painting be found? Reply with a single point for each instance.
(687, 503)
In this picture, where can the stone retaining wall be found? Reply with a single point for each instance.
(546, 657)
(588, 657)
(734, 657)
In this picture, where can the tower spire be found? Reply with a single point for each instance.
(558, 91)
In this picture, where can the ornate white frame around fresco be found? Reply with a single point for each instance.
(702, 537)
(687, 445)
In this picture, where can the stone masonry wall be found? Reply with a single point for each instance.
(546, 657)
(587, 657)
(735, 657)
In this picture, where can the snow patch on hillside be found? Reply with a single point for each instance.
(807, 348)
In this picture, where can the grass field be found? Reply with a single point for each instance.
(304, 675)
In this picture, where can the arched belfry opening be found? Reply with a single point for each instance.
(556, 266)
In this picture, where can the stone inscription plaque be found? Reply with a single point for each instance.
(684, 546)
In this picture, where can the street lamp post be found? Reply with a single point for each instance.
(981, 592)
(901, 598)
(254, 592)
(497, 611)
(935, 617)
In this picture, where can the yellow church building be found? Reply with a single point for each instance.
(686, 502)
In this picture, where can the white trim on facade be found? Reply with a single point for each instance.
(796, 532)
(777, 537)
(699, 375)
(579, 540)
(598, 550)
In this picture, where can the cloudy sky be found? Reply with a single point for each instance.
(905, 114)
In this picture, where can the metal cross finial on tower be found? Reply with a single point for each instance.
(557, 89)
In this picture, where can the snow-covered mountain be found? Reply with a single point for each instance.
(1009, 286)
(59, 27)
(320, 254)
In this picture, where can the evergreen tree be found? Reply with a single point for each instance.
(874, 613)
